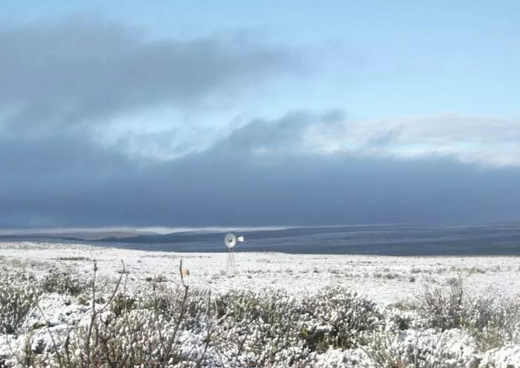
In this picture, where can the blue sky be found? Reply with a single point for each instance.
(136, 91)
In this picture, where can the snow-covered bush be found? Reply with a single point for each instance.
(123, 303)
(138, 338)
(61, 282)
(258, 329)
(400, 321)
(404, 350)
(499, 327)
(450, 307)
(130, 331)
(171, 325)
(492, 323)
(18, 296)
(338, 318)
(167, 302)
(271, 328)
(443, 307)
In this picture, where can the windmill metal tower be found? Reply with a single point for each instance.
(231, 240)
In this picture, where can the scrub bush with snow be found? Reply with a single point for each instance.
(62, 282)
(18, 296)
(258, 329)
(67, 320)
(338, 318)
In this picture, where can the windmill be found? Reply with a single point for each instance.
(231, 240)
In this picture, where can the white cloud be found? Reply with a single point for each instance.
(486, 141)
(489, 141)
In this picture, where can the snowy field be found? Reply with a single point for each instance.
(397, 286)
(383, 279)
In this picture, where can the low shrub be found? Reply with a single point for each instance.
(18, 296)
(137, 338)
(492, 323)
(258, 329)
(61, 282)
(496, 326)
(338, 318)
(123, 303)
(444, 307)
(397, 350)
(174, 326)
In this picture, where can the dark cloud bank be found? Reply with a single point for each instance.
(75, 183)
(81, 70)
(59, 81)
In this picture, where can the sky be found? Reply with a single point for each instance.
(242, 113)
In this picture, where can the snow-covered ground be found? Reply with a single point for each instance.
(383, 279)
(388, 281)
